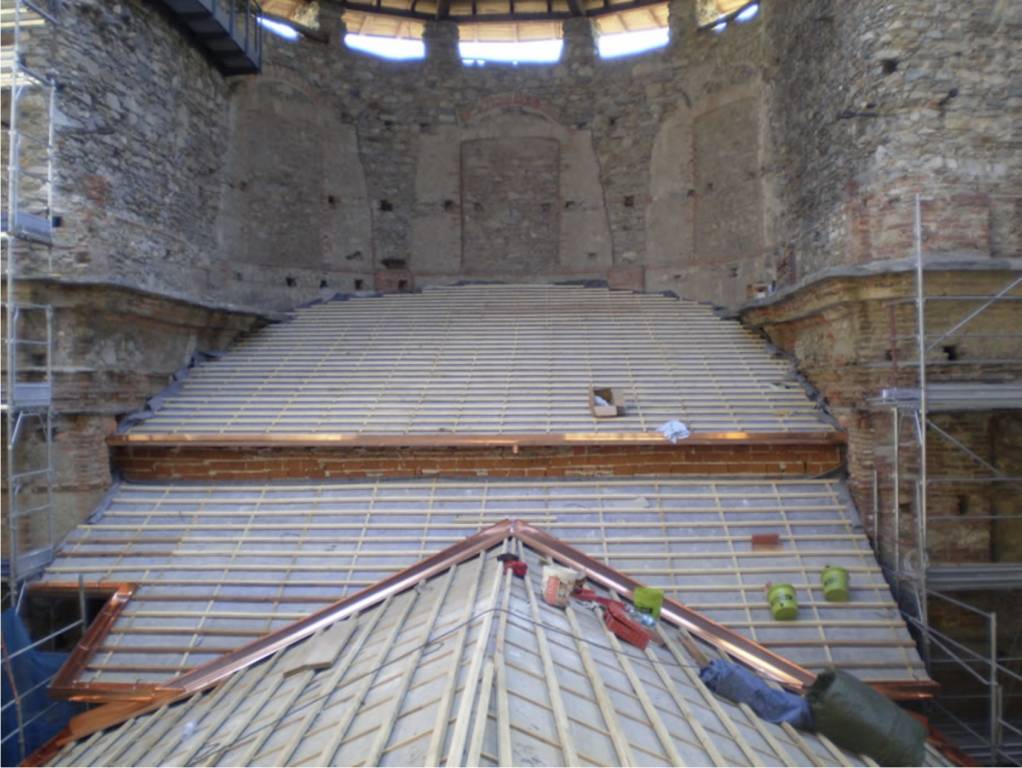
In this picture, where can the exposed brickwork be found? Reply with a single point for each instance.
(113, 348)
(257, 464)
(852, 338)
(876, 101)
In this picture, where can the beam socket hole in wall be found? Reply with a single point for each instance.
(331, 200)
(386, 205)
(290, 282)
(889, 66)
(323, 284)
(951, 351)
(402, 286)
(359, 284)
(629, 201)
(962, 507)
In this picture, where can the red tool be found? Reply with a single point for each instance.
(512, 563)
(616, 617)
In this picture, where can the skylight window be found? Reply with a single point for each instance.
(627, 43)
(396, 48)
(278, 28)
(531, 52)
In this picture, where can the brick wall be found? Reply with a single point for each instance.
(259, 464)
(854, 336)
(113, 348)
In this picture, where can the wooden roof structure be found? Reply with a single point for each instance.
(489, 361)
(501, 21)
(202, 569)
(512, 20)
(457, 660)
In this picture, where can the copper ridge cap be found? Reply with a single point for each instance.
(748, 651)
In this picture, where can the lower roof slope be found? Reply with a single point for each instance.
(219, 564)
(470, 667)
(489, 360)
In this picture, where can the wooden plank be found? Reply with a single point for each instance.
(439, 731)
(567, 744)
(459, 734)
(481, 719)
(322, 650)
(340, 729)
(408, 667)
(606, 706)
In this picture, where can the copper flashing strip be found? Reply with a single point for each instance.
(64, 685)
(751, 653)
(206, 675)
(449, 440)
(907, 690)
(748, 651)
(215, 670)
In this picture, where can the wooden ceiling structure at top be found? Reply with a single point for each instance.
(502, 20)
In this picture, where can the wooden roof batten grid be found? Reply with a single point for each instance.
(216, 564)
(75, 743)
(497, 364)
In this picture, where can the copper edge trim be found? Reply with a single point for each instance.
(448, 440)
(64, 685)
(747, 651)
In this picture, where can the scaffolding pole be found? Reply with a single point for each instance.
(997, 740)
(28, 332)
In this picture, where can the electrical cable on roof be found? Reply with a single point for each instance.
(217, 749)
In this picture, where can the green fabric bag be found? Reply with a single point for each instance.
(855, 716)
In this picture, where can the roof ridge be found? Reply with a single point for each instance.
(750, 652)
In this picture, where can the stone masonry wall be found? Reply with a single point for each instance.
(714, 167)
(645, 171)
(877, 101)
(112, 349)
(141, 135)
(853, 337)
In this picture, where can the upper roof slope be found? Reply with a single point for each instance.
(470, 667)
(491, 360)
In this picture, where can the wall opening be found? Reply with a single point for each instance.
(398, 49)
(716, 14)
(279, 28)
(630, 43)
(481, 52)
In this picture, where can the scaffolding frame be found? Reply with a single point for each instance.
(1000, 742)
(28, 334)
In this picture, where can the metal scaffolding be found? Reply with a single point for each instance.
(918, 582)
(29, 90)
(30, 97)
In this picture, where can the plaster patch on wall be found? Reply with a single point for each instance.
(727, 183)
(671, 207)
(296, 192)
(510, 204)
